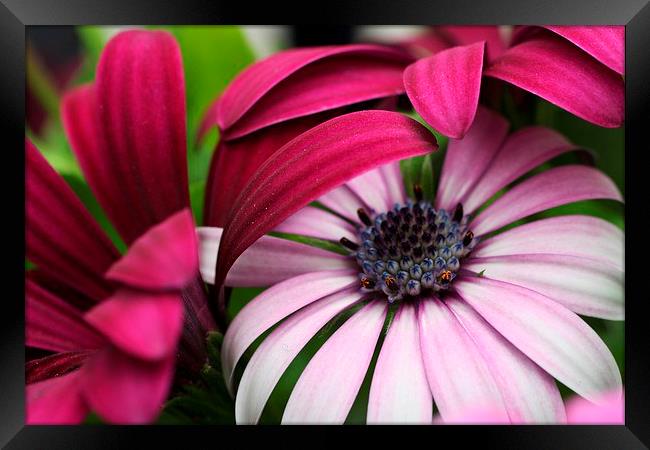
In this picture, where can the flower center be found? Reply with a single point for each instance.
(411, 248)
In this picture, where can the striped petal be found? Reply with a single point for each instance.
(399, 392)
(329, 384)
(276, 352)
(433, 85)
(315, 222)
(371, 188)
(545, 331)
(268, 261)
(344, 201)
(54, 365)
(606, 43)
(522, 151)
(273, 305)
(554, 187)
(458, 374)
(561, 73)
(394, 183)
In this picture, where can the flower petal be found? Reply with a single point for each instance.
(559, 72)
(339, 149)
(329, 384)
(605, 43)
(124, 390)
(164, 258)
(585, 286)
(371, 188)
(268, 261)
(57, 401)
(344, 201)
(464, 35)
(315, 222)
(145, 325)
(273, 305)
(529, 393)
(52, 324)
(276, 352)
(458, 374)
(468, 158)
(433, 85)
(522, 151)
(63, 240)
(394, 183)
(299, 82)
(571, 235)
(399, 392)
(545, 331)
(610, 409)
(554, 187)
(137, 167)
(53, 366)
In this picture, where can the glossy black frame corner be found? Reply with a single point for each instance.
(15, 15)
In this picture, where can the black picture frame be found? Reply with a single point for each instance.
(16, 15)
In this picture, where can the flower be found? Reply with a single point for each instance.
(121, 317)
(576, 68)
(475, 319)
(114, 343)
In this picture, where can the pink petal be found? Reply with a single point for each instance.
(530, 394)
(268, 261)
(315, 222)
(329, 384)
(458, 374)
(399, 392)
(164, 258)
(57, 401)
(137, 165)
(464, 35)
(299, 82)
(572, 235)
(522, 151)
(339, 150)
(52, 324)
(551, 188)
(609, 409)
(467, 159)
(124, 390)
(273, 305)
(53, 366)
(605, 43)
(235, 162)
(585, 286)
(434, 84)
(394, 183)
(145, 325)
(559, 72)
(545, 331)
(371, 188)
(277, 351)
(344, 201)
(63, 240)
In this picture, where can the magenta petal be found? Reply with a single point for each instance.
(312, 164)
(164, 258)
(399, 392)
(258, 266)
(444, 88)
(468, 158)
(124, 390)
(276, 352)
(554, 187)
(137, 168)
(57, 401)
(561, 73)
(605, 43)
(522, 151)
(273, 305)
(329, 384)
(145, 325)
(53, 366)
(299, 82)
(63, 240)
(609, 409)
(52, 324)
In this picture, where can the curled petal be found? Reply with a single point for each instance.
(606, 43)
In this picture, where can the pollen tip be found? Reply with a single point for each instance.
(349, 244)
(417, 191)
(458, 213)
(364, 217)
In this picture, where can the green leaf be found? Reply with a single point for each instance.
(41, 85)
(93, 39)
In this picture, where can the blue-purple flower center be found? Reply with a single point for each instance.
(411, 249)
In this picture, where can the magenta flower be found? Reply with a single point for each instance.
(578, 69)
(115, 322)
(479, 320)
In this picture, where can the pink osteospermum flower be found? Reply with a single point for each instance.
(114, 352)
(480, 320)
(578, 68)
